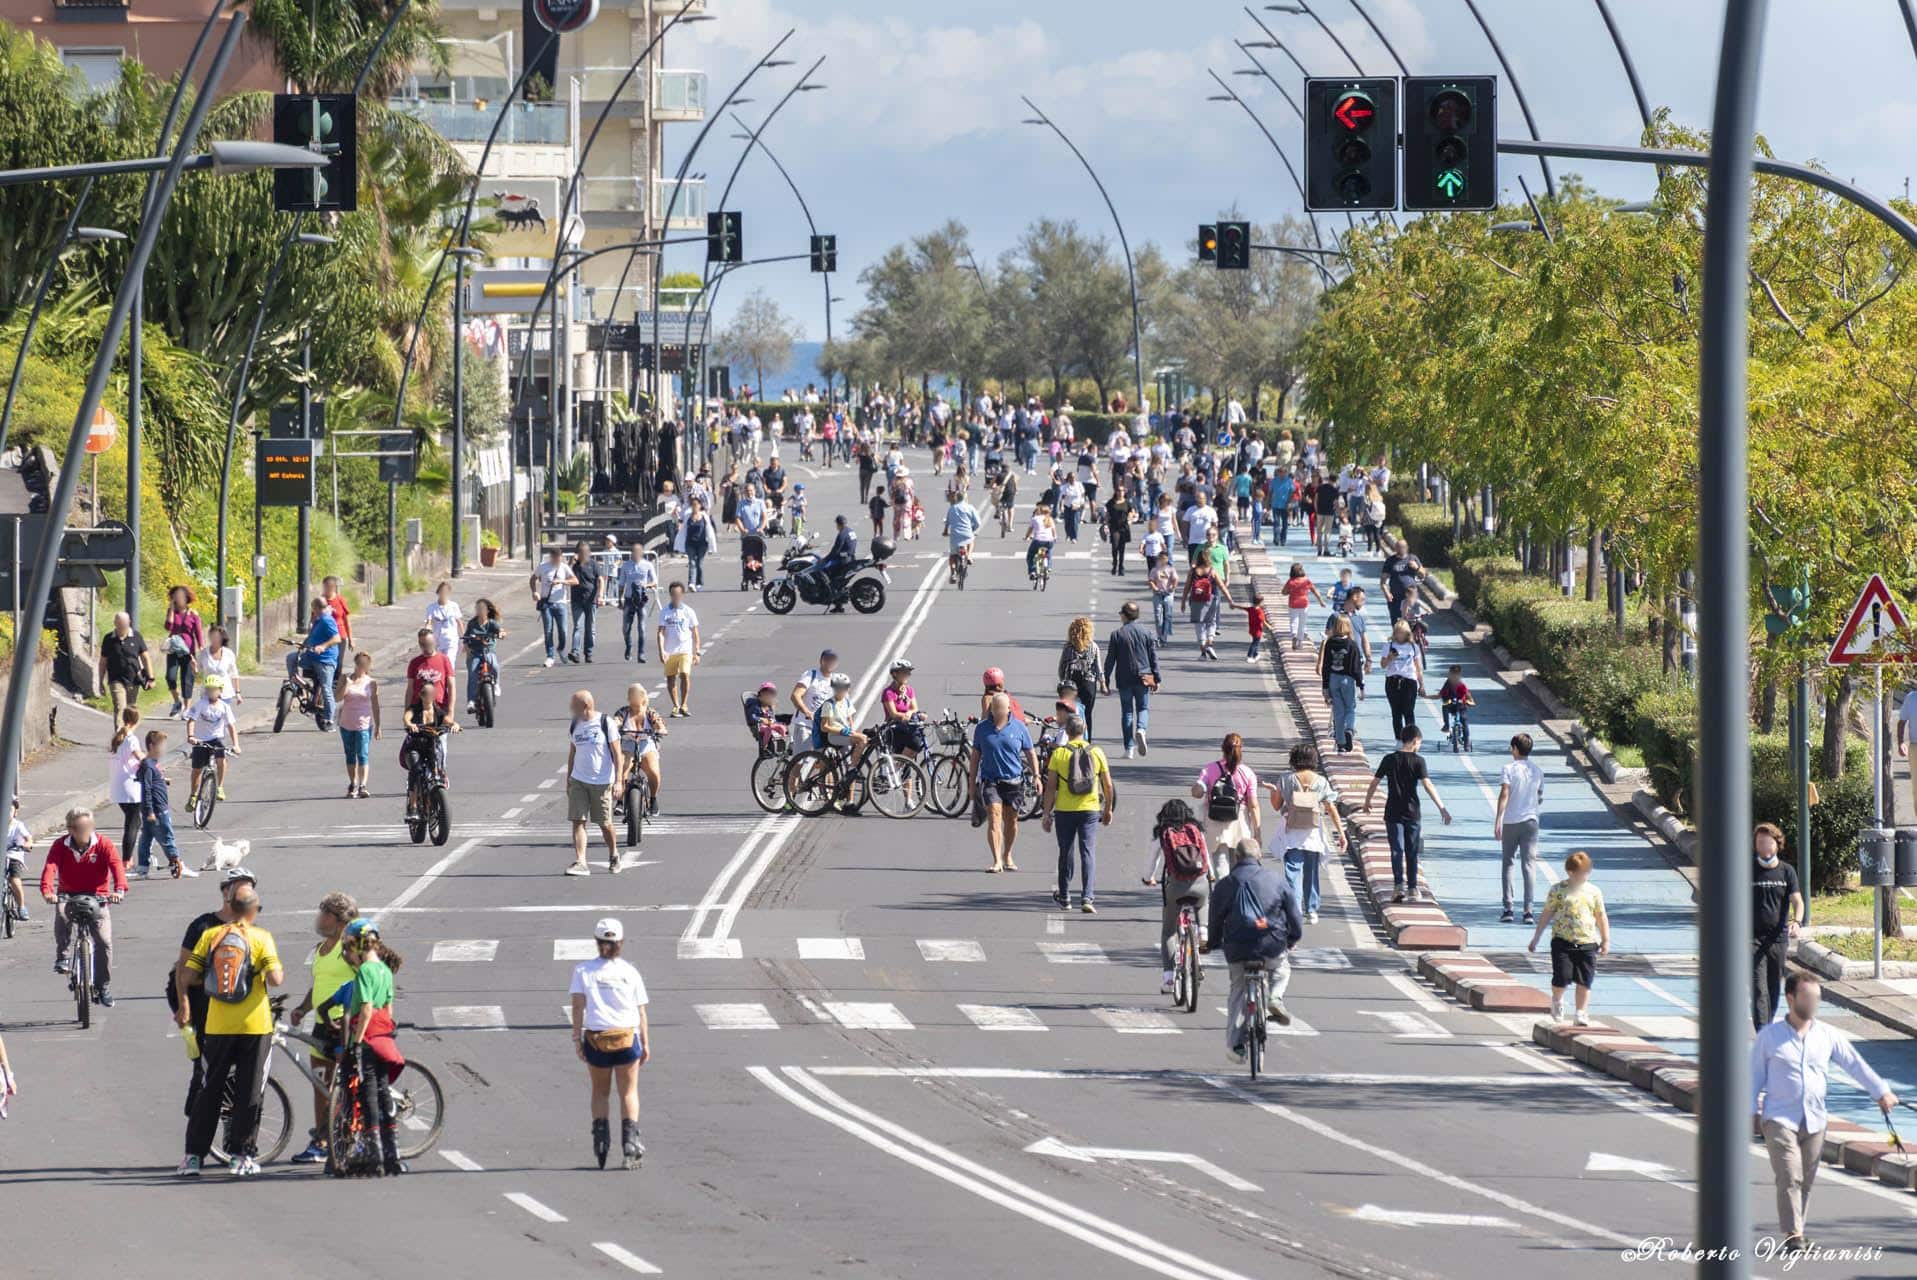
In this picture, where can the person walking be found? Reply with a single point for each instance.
(1324, 513)
(592, 762)
(701, 536)
(235, 964)
(123, 775)
(83, 862)
(445, 619)
(1403, 772)
(635, 585)
(1515, 822)
(1254, 916)
(327, 972)
(185, 993)
(1777, 903)
(217, 659)
(1300, 591)
(1404, 678)
(611, 1035)
(1131, 667)
(341, 611)
(1118, 528)
(1229, 790)
(1078, 666)
(358, 722)
(1204, 591)
(1002, 754)
(1079, 799)
(1308, 805)
(1342, 670)
(1164, 584)
(585, 593)
(1790, 1076)
(126, 668)
(551, 591)
(156, 813)
(184, 638)
(1399, 578)
(1580, 933)
(679, 644)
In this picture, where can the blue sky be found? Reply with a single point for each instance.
(921, 118)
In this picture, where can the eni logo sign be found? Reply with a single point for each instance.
(565, 16)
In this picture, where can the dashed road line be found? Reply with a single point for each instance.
(626, 1257)
(536, 1209)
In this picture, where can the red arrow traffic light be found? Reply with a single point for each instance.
(1354, 111)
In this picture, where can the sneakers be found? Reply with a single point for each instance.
(244, 1167)
(1311, 917)
(1505, 916)
(1236, 1055)
(103, 997)
(612, 864)
(314, 1154)
(578, 869)
(1582, 1018)
(1144, 748)
(1529, 918)
(61, 966)
(1087, 907)
(1130, 752)
(143, 873)
(219, 793)
(1060, 899)
(394, 1168)
(1165, 987)
(1557, 1008)
(1397, 895)
(189, 1168)
(1278, 1013)
(549, 661)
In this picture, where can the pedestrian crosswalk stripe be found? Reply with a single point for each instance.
(951, 950)
(736, 1017)
(1074, 952)
(472, 1016)
(1319, 958)
(1137, 1022)
(709, 949)
(1661, 1026)
(867, 1015)
(1002, 1017)
(831, 949)
(574, 948)
(465, 949)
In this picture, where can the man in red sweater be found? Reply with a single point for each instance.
(83, 861)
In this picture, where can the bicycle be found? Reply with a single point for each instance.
(486, 689)
(638, 802)
(1257, 1000)
(1458, 729)
(207, 794)
(1042, 568)
(428, 812)
(82, 909)
(823, 779)
(9, 909)
(768, 768)
(1186, 971)
(947, 767)
(300, 689)
(960, 564)
(419, 1103)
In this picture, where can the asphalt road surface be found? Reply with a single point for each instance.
(871, 1058)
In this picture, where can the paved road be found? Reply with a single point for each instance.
(873, 1058)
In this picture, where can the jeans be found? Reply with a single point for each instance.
(1134, 711)
(1162, 615)
(1402, 693)
(1342, 690)
(582, 628)
(633, 618)
(1071, 524)
(1280, 970)
(324, 675)
(179, 675)
(1407, 842)
(1301, 869)
(1077, 832)
(696, 567)
(1281, 522)
(1767, 979)
(1257, 520)
(1520, 842)
(157, 829)
(552, 618)
(101, 930)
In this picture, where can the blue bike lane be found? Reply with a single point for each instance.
(1648, 983)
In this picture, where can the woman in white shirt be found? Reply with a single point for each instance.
(123, 784)
(1404, 679)
(217, 659)
(610, 1035)
(1039, 535)
(445, 619)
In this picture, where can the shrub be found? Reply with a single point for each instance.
(1426, 529)
(1606, 681)
(1503, 600)
(1664, 726)
(1842, 810)
(1471, 576)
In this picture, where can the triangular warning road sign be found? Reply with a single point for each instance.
(1874, 616)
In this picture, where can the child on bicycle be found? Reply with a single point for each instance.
(1454, 700)
(1179, 853)
(19, 841)
(370, 1052)
(1417, 616)
(795, 506)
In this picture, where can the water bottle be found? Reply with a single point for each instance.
(191, 1040)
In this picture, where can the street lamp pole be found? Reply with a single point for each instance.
(71, 234)
(1131, 274)
(1231, 95)
(755, 140)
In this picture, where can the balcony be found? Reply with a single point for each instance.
(688, 212)
(526, 123)
(624, 196)
(679, 95)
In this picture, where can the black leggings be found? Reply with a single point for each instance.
(1402, 693)
(1118, 552)
(131, 833)
(1087, 695)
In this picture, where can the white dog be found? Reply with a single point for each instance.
(226, 854)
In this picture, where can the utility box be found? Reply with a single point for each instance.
(233, 603)
(1876, 859)
(414, 532)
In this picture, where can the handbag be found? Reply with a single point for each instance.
(611, 1040)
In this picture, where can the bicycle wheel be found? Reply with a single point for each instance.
(439, 816)
(1031, 798)
(416, 809)
(949, 787)
(83, 976)
(896, 785)
(6, 909)
(284, 709)
(275, 1128)
(638, 796)
(768, 783)
(1181, 978)
(1188, 997)
(1255, 1027)
(352, 1134)
(419, 1105)
(206, 797)
(483, 706)
(812, 782)
(964, 567)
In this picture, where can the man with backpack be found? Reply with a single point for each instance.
(234, 964)
(1079, 799)
(1254, 916)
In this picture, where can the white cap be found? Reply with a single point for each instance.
(609, 930)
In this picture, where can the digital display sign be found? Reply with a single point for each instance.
(283, 474)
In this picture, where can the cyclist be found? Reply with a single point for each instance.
(19, 840)
(319, 658)
(836, 718)
(640, 733)
(327, 965)
(903, 731)
(1454, 703)
(482, 639)
(795, 508)
(1179, 852)
(961, 527)
(1254, 916)
(995, 683)
(1040, 534)
(84, 862)
(211, 732)
(369, 1052)
(426, 730)
(809, 693)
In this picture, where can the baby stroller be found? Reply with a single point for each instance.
(1344, 535)
(751, 561)
(774, 527)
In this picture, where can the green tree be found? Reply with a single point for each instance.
(760, 334)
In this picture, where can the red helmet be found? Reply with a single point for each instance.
(993, 676)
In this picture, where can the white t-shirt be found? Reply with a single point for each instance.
(1526, 781)
(122, 786)
(591, 751)
(1041, 532)
(208, 721)
(1908, 712)
(818, 692)
(1401, 660)
(445, 619)
(552, 581)
(1199, 522)
(224, 663)
(678, 622)
(1165, 525)
(614, 993)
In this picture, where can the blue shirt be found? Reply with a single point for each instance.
(751, 515)
(1001, 752)
(961, 521)
(1241, 485)
(1791, 1073)
(323, 630)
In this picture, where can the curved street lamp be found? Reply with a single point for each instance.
(70, 236)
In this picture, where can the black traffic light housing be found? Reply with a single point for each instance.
(1450, 142)
(825, 254)
(1207, 242)
(1351, 143)
(326, 123)
(725, 236)
(1234, 246)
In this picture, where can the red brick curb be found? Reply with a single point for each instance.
(1477, 982)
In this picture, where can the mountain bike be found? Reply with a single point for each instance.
(81, 910)
(948, 768)
(1257, 1000)
(1186, 972)
(638, 802)
(486, 688)
(825, 779)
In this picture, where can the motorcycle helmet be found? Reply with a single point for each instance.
(994, 677)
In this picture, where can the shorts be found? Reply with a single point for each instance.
(205, 752)
(357, 743)
(837, 739)
(612, 1058)
(16, 865)
(1573, 963)
(1003, 790)
(638, 748)
(678, 664)
(589, 802)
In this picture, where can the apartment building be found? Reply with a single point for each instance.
(94, 35)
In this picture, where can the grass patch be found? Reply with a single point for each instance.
(1855, 907)
(1628, 756)
(1857, 946)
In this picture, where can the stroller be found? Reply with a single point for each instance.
(751, 561)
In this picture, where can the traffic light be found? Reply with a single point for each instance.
(825, 254)
(1450, 142)
(1234, 246)
(1351, 143)
(1207, 242)
(725, 237)
(326, 123)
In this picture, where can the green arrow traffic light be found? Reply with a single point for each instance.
(1450, 182)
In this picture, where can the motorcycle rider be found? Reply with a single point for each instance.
(844, 553)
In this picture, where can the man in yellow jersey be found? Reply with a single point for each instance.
(235, 964)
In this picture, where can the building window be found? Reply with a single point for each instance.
(99, 67)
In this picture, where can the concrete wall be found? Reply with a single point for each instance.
(40, 705)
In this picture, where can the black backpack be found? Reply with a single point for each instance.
(1221, 801)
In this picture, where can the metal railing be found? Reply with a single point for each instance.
(534, 123)
(679, 93)
(688, 209)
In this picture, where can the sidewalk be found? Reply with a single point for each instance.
(68, 773)
(1647, 986)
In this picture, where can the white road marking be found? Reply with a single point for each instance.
(1418, 993)
(1074, 953)
(626, 1258)
(1328, 958)
(574, 948)
(1418, 1218)
(1065, 1151)
(425, 878)
(1405, 1025)
(562, 908)
(1339, 1079)
(535, 1208)
(951, 951)
(736, 1017)
(1297, 1027)
(709, 948)
(511, 813)
(465, 950)
(1602, 1162)
(1002, 1017)
(459, 1160)
(547, 783)
(1664, 995)
(988, 1184)
(488, 1017)
(1137, 1022)
(1518, 1024)
(875, 1015)
(1661, 1026)
(831, 949)
(1054, 923)
(812, 1007)
(534, 798)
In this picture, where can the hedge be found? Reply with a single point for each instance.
(1843, 807)
(1470, 576)
(1426, 529)
(1664, 726)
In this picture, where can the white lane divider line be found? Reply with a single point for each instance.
(1664, 995)
(472, 1017)
(461, 1161)
(511, 813)
(831, 949)
(736, 1017)
(1417, 993)
(1074, 953)
(876, 1015)
(535, 1208)
(574, 948)
(548, 783)
(951, 951)
(1002, 1017)
(425, 879)
(626, 1258)
(465, 950)
(1404, 1025)
(534, 798)
(1137, 1022)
